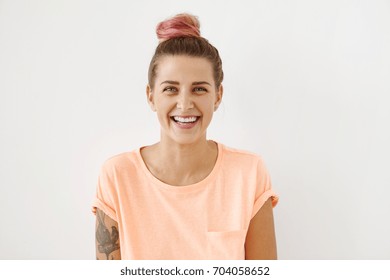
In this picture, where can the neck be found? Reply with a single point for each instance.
(182, 164)
(186, 157)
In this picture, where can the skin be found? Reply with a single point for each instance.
(260, 241)
(107, 237)
(184, 86)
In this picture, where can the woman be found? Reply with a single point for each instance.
(184, 197)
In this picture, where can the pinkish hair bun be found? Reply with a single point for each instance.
(181, 25)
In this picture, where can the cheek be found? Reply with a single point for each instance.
(163, 104)
(207, 105)
(164, 107)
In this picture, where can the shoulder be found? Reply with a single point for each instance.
(117, 172)
(126, 161)
(240, 157)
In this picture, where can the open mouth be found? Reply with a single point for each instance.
(185, 120)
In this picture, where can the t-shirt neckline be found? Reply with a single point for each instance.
(187, 188)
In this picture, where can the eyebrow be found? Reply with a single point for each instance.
(177, 83)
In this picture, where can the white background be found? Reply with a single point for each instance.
(306, 86)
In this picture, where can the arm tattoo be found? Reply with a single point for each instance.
(107, 242)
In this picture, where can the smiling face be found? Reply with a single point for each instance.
(185, 97)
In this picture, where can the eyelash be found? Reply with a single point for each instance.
(201, 89)
(170, 89)
(196, 89)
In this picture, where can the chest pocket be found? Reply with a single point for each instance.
(226, 245)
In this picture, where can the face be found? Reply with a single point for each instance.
(185, 97)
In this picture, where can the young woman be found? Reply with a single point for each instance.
(184, 197)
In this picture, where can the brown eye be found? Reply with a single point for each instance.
(200, 90)
(170, 89)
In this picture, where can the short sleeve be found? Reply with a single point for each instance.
(105, 194)
(264, 189)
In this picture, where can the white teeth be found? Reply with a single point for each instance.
(185, 120)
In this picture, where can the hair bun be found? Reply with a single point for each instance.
(181, 25)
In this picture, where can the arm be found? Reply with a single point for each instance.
(260, 243)
(107, 237)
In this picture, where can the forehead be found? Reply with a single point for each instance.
(184, 68)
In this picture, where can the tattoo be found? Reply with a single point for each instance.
(107, 242)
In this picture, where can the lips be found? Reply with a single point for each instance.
(185, 119)
(185, 122)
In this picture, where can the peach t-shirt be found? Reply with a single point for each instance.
(205, 220)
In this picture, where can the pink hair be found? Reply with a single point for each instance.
(181, 25)
(180, 35)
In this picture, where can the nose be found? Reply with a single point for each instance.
(184, 101)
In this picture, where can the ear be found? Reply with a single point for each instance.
(150, 98)
(218, 100)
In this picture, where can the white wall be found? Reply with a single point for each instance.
(306, 86)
